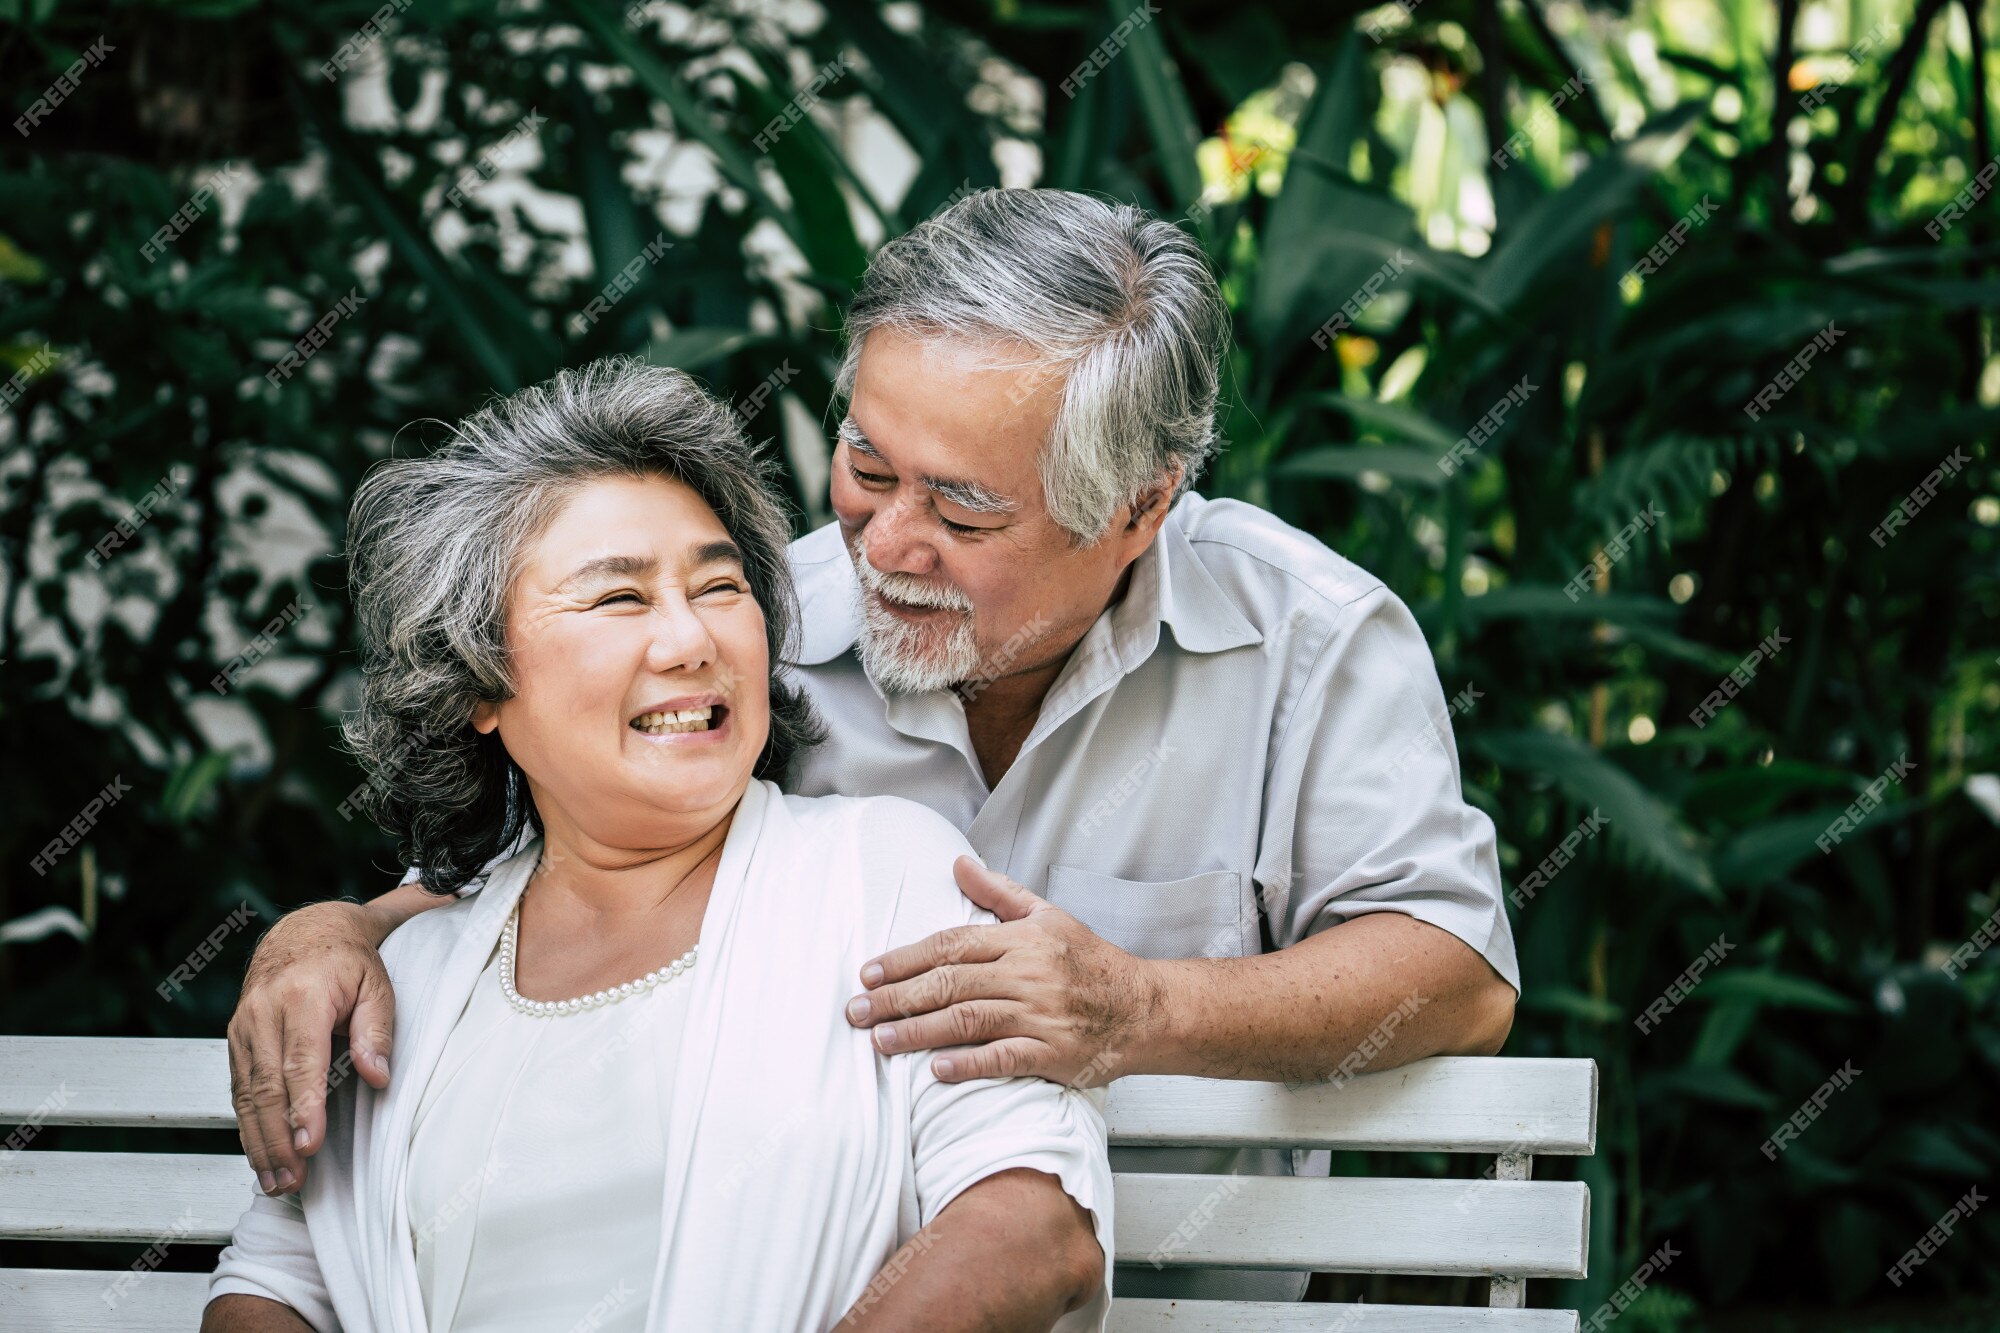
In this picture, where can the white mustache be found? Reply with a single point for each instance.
(906, 588)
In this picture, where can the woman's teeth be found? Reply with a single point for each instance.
(674, 719)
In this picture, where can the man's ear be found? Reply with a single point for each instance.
(1149, 507)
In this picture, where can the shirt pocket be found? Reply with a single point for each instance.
(1202, 916)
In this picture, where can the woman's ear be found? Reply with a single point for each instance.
(485, 717)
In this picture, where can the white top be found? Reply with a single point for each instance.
(538, 1163)
(797, 1158)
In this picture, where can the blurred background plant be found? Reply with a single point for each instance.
(247, 242)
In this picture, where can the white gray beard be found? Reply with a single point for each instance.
(902, 656)
(907, 658)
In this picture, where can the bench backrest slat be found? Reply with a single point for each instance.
(1445, 1104)
(171, 1082)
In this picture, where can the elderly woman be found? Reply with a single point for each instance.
(625, 1097)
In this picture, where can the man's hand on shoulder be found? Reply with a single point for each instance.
(316, 973)
(1038, 994)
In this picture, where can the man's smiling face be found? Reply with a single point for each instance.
(939, 497)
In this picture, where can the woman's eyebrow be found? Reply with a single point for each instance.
(722, 552)
(716, 553)
(610, 566)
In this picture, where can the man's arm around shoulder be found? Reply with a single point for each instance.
(318, 971)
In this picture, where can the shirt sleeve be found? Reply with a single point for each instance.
(964, 1132)
(1365, 811)
(961, 1133)
(271, 1256)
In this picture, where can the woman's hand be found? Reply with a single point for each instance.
(317, 972)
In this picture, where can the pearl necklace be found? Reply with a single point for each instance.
(510, 938)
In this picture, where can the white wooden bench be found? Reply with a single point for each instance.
(1503, 1225)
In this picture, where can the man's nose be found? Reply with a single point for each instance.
(895, 543)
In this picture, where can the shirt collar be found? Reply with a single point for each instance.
(1169, 586)
(1201, 614)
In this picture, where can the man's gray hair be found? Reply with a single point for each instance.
(1115, 300)
(435, 544)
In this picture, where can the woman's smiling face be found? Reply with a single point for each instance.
(640, 664)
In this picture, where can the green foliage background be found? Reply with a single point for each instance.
(1307, 145)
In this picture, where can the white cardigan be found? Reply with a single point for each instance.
(818, 1157)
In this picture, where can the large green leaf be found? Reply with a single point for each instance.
(1392, 420)
(1777, 989)
(1342, 462)
(1553, 230)
(611, 216)
(1636, 819)
(906, 82)
(1775, 847)
(1162, 100)
(732, 156)
(1305, 286)
(1717, 1084)
(1543, 602)
(1310, 199)
(812, 180)
(694, 346)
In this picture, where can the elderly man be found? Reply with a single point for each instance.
(1206, 761)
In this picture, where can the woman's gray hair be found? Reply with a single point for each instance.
(435, 544)
(1116, 300)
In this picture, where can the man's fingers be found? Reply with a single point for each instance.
(1013, 1057)
(944, 984)
(249, 1128)
(262, 1122)
(308, 1053)
(372, 1029)
(960, 944)
(994, 891)
(961, 1024)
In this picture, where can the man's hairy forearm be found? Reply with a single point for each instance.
(251, 1314)
(1013, 1252)
(1370, 994)
(398, 905)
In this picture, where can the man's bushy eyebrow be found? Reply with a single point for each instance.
(852, 436)
(964, 493)
(971, 495)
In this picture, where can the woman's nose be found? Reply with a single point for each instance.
(681, 641)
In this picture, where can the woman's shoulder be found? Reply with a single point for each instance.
(891, 831)
(428, 930)
(424, 934)
(904, 852)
